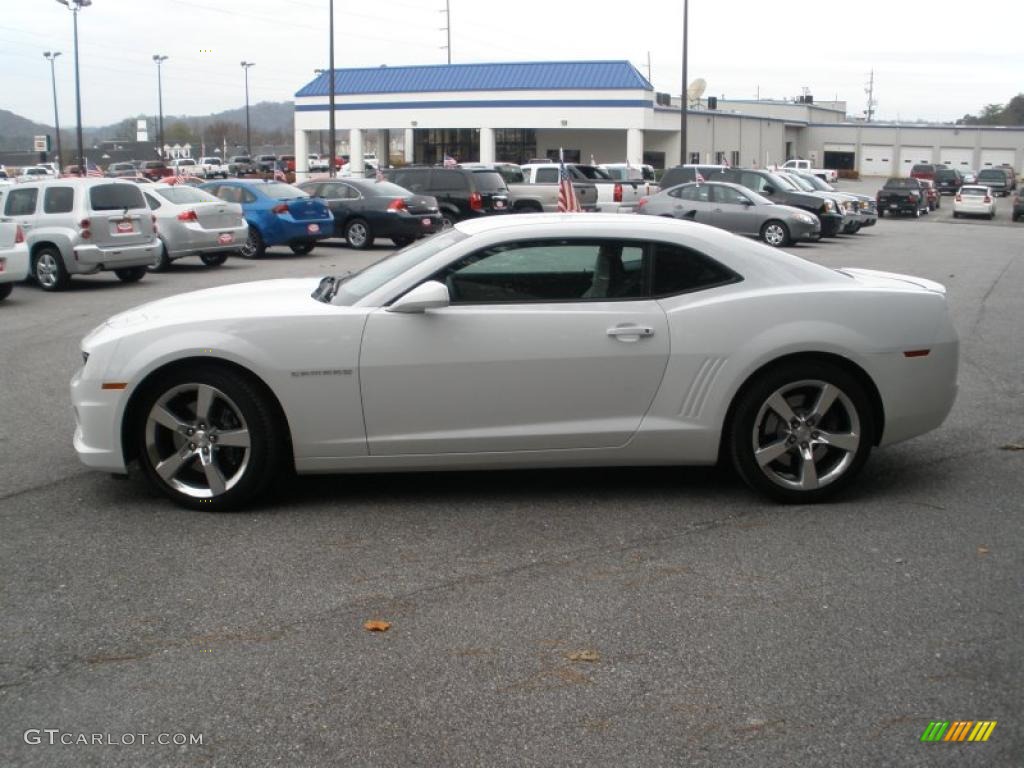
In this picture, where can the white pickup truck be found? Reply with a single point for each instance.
(804, 166)
(212, 168)
(613, 195)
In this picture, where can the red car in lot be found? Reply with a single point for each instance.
(931, 194)
(154, 170)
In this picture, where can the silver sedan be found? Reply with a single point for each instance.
(192, 222)
(736, 209)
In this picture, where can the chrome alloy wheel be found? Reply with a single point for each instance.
(774, 235)
(46, 269)
(197, 440)
(357, 234)
(249, 248)
(806, 435)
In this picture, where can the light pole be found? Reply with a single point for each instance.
(686, 95)
(248, 138)
(51, 56)
(160, 98)
(75, 6)
(331, 128)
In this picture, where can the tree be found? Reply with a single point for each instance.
(178, 132)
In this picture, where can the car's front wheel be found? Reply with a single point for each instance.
(208, 438)
(801, 431)
(775, 233)
(5, 290)
(358, 234)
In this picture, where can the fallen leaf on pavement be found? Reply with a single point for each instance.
(583, 656)
(1011, 447)
(376, 625)
(982, 551)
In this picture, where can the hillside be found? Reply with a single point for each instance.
(16, 132)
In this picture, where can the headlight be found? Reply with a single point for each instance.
(806, 218)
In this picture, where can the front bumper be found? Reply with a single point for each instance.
(800, 230)
(831, 223)
(97, 438)
(93, 258)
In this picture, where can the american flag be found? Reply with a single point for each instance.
(379, 175)
(279, 175)
(567, 200)
(91, 169)
(449, 161)
(172, 180)
(699, 177)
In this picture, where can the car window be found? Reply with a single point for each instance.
(21, 202)
(547, 175)
(754, 181)
(489, 181)
(151, 201)
(677, 269)
(512, 174)
(448, 181)
(729, 196)
(246, 196)
(548, 270)
(115, 197)
(348, 192)
(58, 200)
(700, 193)
(280, 191)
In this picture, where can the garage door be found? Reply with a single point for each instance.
(876, 160)
(961, 158)
(992, 157)
(911, 156)
(841, 157)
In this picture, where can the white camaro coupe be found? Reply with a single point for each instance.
(524, 341)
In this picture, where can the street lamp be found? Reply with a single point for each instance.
(248, 138)
(160, 98)
(330, 90)
(51, 56)
(75, 6)
(686, 95)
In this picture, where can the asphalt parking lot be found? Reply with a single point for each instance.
(629, 617)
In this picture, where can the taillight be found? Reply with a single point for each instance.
(958, 199)
(184, 216)
(281, 208)
(988, 199)
(84, 225)
(476, 202)
(398, 204)
(19, 234)
(617, 194)
(641, 203)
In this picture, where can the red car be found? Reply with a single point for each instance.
(932, 194)
(926, 170)
(154, 170)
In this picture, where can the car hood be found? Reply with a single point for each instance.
(263, 298)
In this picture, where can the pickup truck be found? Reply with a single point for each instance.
(212, 168)
(902, 196)
(240, 165)
(613, 196)
(804, 166)
(533, 188)
(315, 163)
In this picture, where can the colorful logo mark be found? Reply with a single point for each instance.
(958, 730)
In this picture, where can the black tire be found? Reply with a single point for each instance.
(301, 249)
(131, 274)
(528, 207)
(401, 242)
(881, 213)
(48, 270)
(254, 247)
(213, 259)
(798, 384)
(775, 233)
(237, 406)
(956, 215)
(991, 216)
(5, 290)
(161, 262)
(358, 234)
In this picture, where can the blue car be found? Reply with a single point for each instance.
(277, 213)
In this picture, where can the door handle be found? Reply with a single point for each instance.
(630, 333)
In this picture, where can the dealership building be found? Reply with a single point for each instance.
(606, 111)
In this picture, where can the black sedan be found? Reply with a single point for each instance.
(365, 209)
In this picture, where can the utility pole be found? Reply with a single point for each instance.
(870, 91)
(51, 56)
(447, 28)
(248, 135)
(649, 80)
(75, 6)
(331, 128)
(160, 98)
(686, 96)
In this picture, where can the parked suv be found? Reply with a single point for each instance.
(1000, 180)
(460, 193)
(83, 226)
(784, 192)
(948, 181)
(683, 174)
(927, 170)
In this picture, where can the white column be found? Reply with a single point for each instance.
(355, 150)
(301, 155)
(383, 152)
(487, 145)
(410, 155)
(634, 146)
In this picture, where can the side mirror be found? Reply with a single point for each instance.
(428, 295)
(747, 201)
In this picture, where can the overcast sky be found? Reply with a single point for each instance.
(739, 47)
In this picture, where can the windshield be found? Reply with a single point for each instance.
(782, 182)
(186, 195)
(590, 172)
(817, 183)
(281, 191)
(801, 182)
(347, 291)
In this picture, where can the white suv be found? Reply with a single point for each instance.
(83, 226)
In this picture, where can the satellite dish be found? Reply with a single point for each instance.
(696, 90)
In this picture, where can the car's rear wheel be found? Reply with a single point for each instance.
(254, 247)
(301, 249)
(775, 233)
(208, 438)
(358, 234)
(213, 259)
(162, 261)
(49, 271)
(131, 274)
(5, 290)
(801, 431)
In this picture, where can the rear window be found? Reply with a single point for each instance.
(992, 173)
(902, 184)
(922, 169)
(384, 189)
(974, 191)
(451, 180)
(115, 197)
(489, 181)
(186, 195)
(946, 173)
(281, 191)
